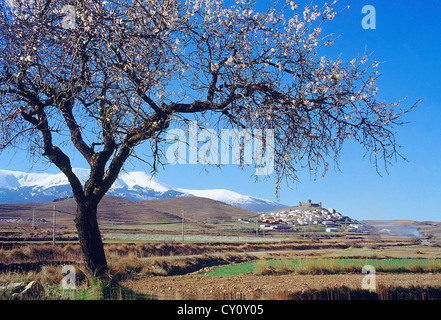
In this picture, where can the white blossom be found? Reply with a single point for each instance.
(293, 5)
(229, 61)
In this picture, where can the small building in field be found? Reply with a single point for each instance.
(331, 230)
(282, 227)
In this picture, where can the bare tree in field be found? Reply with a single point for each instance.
(106, 76)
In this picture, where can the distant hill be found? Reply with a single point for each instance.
(119, 210)
(24, 187)
(198, 209)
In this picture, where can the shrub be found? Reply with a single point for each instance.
(262, 267)
(17, 255)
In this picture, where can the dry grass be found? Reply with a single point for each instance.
(329, 293)
(167, 266)
(44, 263)
(382, 293)
(40, 253)
(27, 262)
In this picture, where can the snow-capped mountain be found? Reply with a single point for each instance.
(236, 199)
(21, 187)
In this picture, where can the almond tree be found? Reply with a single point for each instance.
(106, 76)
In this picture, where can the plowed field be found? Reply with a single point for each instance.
(251, 286)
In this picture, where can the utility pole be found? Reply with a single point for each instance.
(54, 217)
(182, 220)
(257, 230)
(33, 218)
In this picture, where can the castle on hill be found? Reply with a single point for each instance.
(310, 204)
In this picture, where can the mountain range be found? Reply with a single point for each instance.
(24, 187)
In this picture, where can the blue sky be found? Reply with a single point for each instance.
(407, 39)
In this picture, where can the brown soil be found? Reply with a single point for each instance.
(250, 286)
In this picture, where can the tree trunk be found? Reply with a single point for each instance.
(90, 238)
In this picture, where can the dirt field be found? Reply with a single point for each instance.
(250, 286)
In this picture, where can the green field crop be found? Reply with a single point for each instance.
(328, 266)
(187, 238)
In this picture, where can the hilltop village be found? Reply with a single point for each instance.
(308, 213)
